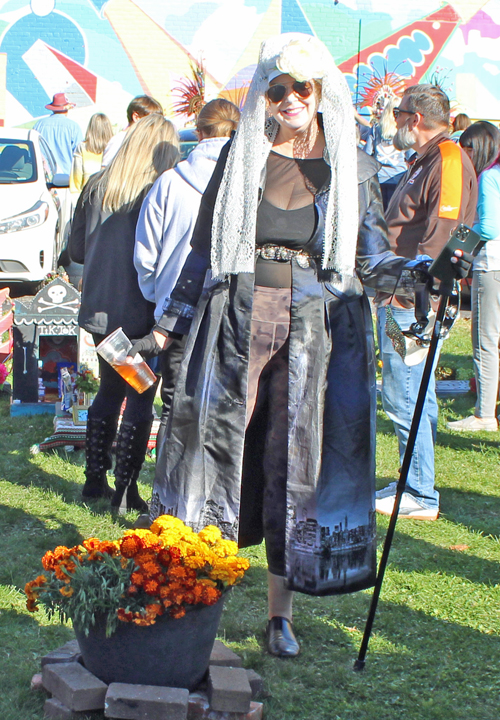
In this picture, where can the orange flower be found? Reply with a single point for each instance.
(137, 578)
(124, 616)
(48, 560)
(164, 556)
(177, 572)
(66, 591)
(144, 556)
(154, 609)
(130, 546)
(177, 611)
(210, 595)
(151, 586)
(175, 554)
(110, 548)
(150, 567)
(31, 605)
(91, 544)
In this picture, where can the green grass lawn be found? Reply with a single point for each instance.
(435, 649)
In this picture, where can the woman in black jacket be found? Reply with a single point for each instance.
(103, 237)
(272, 426)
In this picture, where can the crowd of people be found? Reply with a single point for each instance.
(243, 269)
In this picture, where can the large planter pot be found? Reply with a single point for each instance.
(171, 653)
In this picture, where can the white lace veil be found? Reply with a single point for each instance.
(304, 57)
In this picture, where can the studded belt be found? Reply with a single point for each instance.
(280, 253)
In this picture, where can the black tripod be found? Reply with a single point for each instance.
(444, 291)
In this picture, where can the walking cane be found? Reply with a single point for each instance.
(445, 289)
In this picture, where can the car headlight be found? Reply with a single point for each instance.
(37, 215)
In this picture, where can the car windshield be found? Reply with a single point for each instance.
(17, 161)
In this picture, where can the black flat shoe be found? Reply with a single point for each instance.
(281, 641)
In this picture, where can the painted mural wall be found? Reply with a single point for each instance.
(104, 53)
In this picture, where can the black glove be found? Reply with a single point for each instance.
(462, 265)
(146, 346)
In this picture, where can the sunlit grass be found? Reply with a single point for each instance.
(435, 650)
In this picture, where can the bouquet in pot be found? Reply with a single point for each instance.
(139, 577)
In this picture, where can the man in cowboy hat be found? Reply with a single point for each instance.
(61, 133)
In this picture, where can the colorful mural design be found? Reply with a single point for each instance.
(103, 52)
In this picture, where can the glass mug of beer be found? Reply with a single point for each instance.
(114, 349)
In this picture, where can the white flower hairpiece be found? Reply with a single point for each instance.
(301, 60)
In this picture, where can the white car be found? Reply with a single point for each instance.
(34, 208)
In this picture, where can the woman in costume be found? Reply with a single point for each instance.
(103, 238)
(272, 428)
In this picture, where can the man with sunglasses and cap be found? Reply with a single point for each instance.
(438, 192)
(62, 134)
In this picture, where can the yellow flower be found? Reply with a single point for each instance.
(166, 522)
(210, 534)
(225, 547)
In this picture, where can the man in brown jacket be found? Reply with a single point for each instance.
(438, 192)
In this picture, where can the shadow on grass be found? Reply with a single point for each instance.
(20, 468)
(418, 666)
(25, 538)
(410, 554)
(477, 512)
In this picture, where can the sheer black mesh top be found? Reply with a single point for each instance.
(286, 214)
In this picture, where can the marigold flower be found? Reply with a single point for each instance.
(150, 567)
(225, 547)
(91, 544)
(130, 546)
(66, 591)
(151, 586)
(210, 534)
(175, 554)
(124, 616)
(210, 595)
(31, 605)
(137, 578)
(48, 560)
(110, 548)
(164, 556)
(154, 609)
(177, 611)
(149, 539)
(145, 556)
(177, 572)
(164, 522)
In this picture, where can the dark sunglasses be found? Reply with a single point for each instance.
(397, 112)
(276, 93)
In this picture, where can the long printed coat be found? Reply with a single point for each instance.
(330, 527)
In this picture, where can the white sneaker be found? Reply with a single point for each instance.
(474, 424)
(387, 491)
(409, 507)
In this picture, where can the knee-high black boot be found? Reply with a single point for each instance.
(131, 446)
(99, 438)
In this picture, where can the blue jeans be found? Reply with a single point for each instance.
(400, 386)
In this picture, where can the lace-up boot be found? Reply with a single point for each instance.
(99, 438)
(131, 446)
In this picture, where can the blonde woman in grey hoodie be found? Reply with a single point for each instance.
(167, 219)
